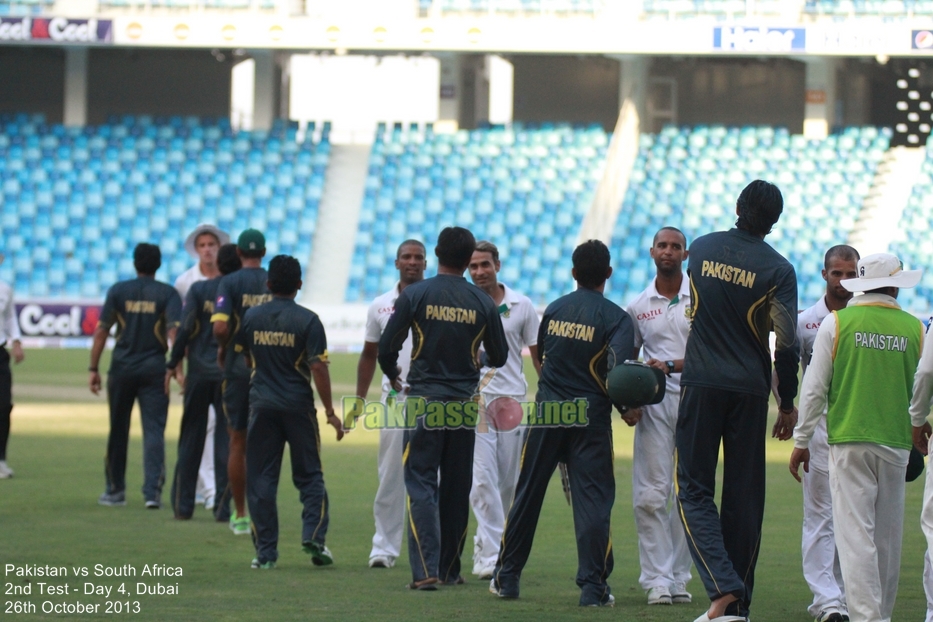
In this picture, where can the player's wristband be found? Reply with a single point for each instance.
(92, 369)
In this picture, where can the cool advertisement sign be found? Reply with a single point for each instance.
(55, 30)
(38, 319)
(759, 40)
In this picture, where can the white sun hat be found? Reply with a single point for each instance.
(881, 270)
(205, 227)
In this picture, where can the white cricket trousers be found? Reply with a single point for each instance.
(496, 459)
(662, 547)
(818, 547)
(926, 523)
(206, 482)
(868, 518)
(389, 506)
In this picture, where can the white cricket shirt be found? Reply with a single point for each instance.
(661, 326)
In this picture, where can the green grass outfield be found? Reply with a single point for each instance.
(49, 515)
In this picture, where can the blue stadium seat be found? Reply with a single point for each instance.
(94, 192)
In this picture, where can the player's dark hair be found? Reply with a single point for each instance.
(591, 262)
(485, 246)
(759, 207)
(284, 275)
(455, 246)
(398, 253)
(147, 258)
(674, 229)
(840, 251)
(228, 261)
(254, 254)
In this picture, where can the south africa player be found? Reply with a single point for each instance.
(147, 314)
(286, 346)
(497, 452)
(661, 327)
(203, 244)
(389, 505)
(818, 546)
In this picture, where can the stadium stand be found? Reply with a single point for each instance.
(74, 201)
(881, 8)
(914, 246)
(513, 6)
(24, 7)
(220, 5)
(525, 188)
(690, 177)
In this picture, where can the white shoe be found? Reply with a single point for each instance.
(609, 602)
(659, 596)
(5, 471)
(680, 595)
(705, 618)
(198, 499)
(209, 502)
(485, 572)
(381, 561)
(832, 616)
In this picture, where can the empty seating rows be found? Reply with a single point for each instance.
(882, 8)
(914, 246)
(513, 6)
(524, 189)
(24, 7)
(691, 178)
(74, 201)
(189, 4)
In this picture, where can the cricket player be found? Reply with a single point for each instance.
(818, 546)
(9, 335)
(741, 289)
(862, 374)
(285, 345)
(496, 452)
(202, 386)
(919, 411)
(581, 337)
(661, 328)
(236, 293)
(147, 315)
(389, 506)
(448, 318)
(203, 244)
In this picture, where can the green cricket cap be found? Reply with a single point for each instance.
(251, 240)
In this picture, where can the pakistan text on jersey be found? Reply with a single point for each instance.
(254, 300)
(273, 338)
(571, 329)
(450, 314)
(727, 273)
(881, 342)
(140, 306)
